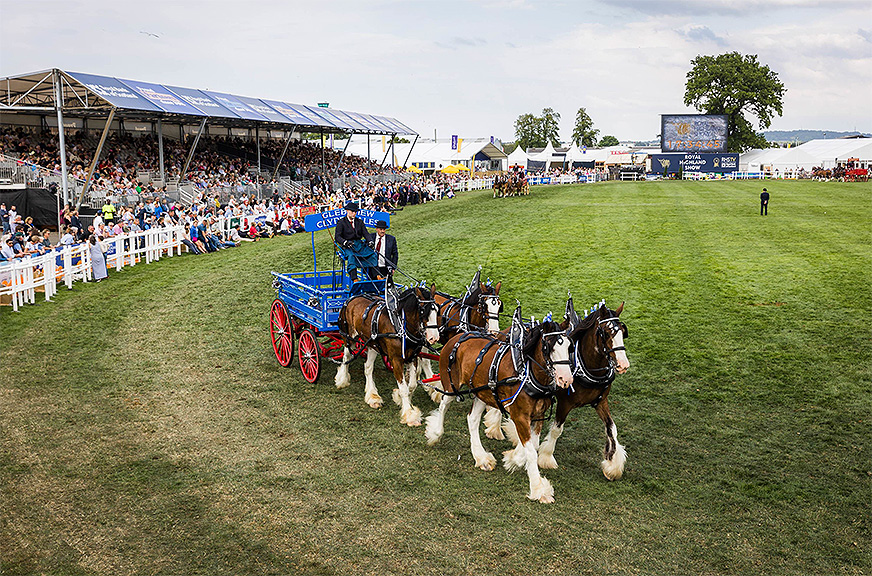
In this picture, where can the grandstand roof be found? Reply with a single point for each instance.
(92, 95)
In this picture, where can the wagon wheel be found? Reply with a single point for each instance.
(281, 332)
(310, 356)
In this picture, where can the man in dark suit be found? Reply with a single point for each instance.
(764, 203)
(355, 241)
(386, 249)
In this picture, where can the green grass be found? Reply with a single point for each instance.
(146, 427)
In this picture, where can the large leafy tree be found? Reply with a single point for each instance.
(550, 126)
(584, 133)
(608, 140)
(736, 85)
(536, 131)
(528, 131)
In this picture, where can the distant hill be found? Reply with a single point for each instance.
(800, 136)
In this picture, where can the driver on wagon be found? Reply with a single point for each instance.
(355, 242)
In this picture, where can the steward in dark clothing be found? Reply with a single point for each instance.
(764, 203)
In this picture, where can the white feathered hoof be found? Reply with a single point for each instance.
(547, 462)
(542, 492)
(492, 425)
(374, 400)
(411, 417)
(514, 460)
(614, 468)
(342, 380)
(486, 462)
(434, 428)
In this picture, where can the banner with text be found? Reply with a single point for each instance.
(672, 163)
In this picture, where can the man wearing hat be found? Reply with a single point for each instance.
(355, 241)
(764, 203)
(386, 249)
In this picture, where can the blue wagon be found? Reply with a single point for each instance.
(307, 304)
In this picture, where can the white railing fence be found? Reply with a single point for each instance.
(22, 278)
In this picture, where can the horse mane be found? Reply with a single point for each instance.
(535, 334)
(591, 319)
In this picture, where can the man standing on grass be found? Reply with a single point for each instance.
(764, 203)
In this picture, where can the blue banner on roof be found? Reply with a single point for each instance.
(327, 119)
(162, 97)
(363, 120)
(233, 104)
(114, 92)
(201, 101)
(346, 117)
(264, 110)
(292, 115)
(314, 119)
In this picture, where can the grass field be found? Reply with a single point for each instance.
(147, 428)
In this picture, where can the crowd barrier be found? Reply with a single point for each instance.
(21, 279)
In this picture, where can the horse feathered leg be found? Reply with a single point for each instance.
(492, 420)
(614, 453)
(436, 421)
(546, 449)
(343, 378)
(483, 459)
(409, 413)
(540, 488)
(371, 395)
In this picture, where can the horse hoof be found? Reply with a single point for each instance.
(411, 417)
(375, 401)
(488, 463)
(548, 463)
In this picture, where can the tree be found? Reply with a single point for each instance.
(584, 133)
(528, 131)
(608, 140)
(550, 126)
(733, 84)
(536, 131)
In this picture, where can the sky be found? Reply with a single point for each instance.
(465, 67)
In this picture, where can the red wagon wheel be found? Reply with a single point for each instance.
(282, 333)
(310, 356)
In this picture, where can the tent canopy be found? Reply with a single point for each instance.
(85, 95)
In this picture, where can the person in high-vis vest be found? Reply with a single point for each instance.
(108, 212)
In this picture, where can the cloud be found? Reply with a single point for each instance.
(703, 34)
(727, 7)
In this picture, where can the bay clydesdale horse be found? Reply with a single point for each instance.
(365, 320)
(519, 382)
(598, 353)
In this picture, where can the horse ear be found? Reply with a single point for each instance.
(619, 310)
(497, 288)
(432, 290)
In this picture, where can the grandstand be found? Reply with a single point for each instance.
(119, 136)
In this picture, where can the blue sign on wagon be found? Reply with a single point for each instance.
(329, 219)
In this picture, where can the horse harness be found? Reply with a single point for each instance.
(398, 321)
(523, 376)
(585, 376)
(455, 309)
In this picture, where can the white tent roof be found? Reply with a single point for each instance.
(814, 153)
(546, 155)
(518, 157)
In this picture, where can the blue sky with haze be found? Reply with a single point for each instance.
(466, 67)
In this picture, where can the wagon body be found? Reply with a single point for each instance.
(306, 307)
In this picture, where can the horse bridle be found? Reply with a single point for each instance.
(484, 310)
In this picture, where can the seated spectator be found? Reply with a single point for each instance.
(8, 251)
(186, 240)
(67, 239)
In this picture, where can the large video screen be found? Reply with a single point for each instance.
(693, 132)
